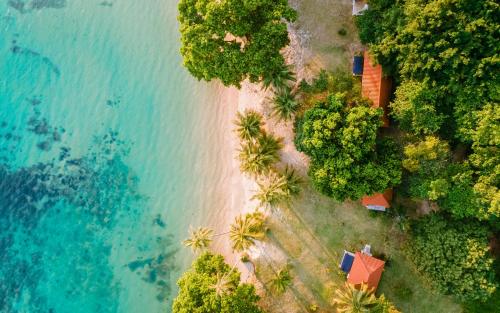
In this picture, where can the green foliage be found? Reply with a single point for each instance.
(445, 54)
(233, 40)
(279, 79)
(491, 305)
(454, 256)
(350, 299)
(272, 191)
(281, 280)
(347, 160)
(278, 189)
(427, 156)
(199, 286)
(385, 306)
(485, 159)
(247, 229)
(339, 82)
(284, 104)
(199, 239)
(257, 156)
(426, 162)
(248, 124)
(450, 46)
(413, 108)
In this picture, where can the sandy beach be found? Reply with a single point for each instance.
(240, 187)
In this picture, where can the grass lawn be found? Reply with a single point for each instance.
(313, 234)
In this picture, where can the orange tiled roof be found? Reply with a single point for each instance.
(366, 269)
(375, 86)
(381, 199)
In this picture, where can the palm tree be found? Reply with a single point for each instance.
(246, 230)
(257, 156)
(353, 300)
(270, 145)
(199, 239)
(282, 280)
(284, 104)
(248, 124)
(223, 285)
(272, 191)
(280, 78)
(276, 188)
(293, 181)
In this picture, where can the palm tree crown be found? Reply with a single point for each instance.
(248, 124)
(293, 181)
(282, 280)
(280, 78)
(272, 191)
(246, 230)
(352, 300)
(277, 189)
(199, 239)
(257, 156)
(284, 104)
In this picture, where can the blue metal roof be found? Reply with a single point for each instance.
(357, 65)
(347, 260)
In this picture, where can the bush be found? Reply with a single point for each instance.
(454, 256)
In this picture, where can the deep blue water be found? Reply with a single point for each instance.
(108, 150)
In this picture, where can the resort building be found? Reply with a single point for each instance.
(362, 268)
(375, 86)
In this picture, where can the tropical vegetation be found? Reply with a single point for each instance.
(211, 285)
(444, 56)
(454, 256)
(234, 40)
(246, 230)
(248, 124)
(348, 161)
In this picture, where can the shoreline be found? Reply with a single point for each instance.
(240, 186)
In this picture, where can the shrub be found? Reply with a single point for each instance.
(454, 256)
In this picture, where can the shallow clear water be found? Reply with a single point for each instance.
(108, 151)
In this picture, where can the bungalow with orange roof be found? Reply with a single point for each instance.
(362, 268)
(375, 86)
(378, 201)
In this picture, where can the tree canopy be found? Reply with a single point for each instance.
(444, 55)
(233, 39)
(347, 160)
(210, 285)
(454, 255)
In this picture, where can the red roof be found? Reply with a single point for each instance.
(366, 269)
(375, 86)
(379, 199)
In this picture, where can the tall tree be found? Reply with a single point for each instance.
(257, 156)
(347, 159)
(248, 124)
(246, 230)
(210, 285)
(233, 39)
(199, 239)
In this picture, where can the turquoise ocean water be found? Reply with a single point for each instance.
(108, 151)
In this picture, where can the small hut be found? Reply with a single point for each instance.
(378, 201)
